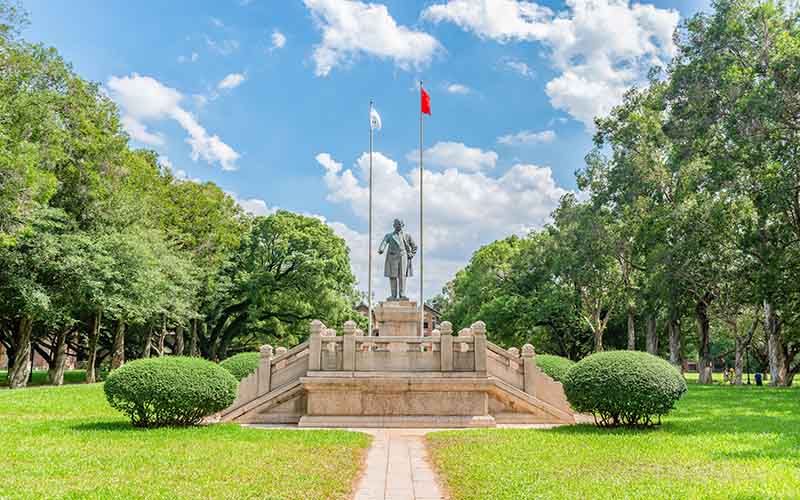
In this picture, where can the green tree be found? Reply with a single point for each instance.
(733, 98)
(289, 269)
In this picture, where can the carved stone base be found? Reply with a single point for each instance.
(413, 401)
(397, 318)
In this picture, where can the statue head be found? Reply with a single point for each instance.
(398, 225)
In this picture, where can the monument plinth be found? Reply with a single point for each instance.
(397, 318)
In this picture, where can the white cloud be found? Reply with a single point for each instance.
(501, 20)
(350, 28)
(256, 206)
(458, 88)
(224, 47)
(183, 176)
(191, 58)
(253, 206)
(455, 155)
(199, 100)
(527, 137)
(278, 40)
(143, 98)
(462, 211)
(601, 47)
(231, 81)
(138, 132)
(519, 67)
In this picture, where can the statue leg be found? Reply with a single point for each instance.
(401, 285)
(393, 285)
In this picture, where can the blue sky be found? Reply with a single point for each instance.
(269, 99)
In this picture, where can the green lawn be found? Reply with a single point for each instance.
(40, 377)
(722, 442)
(66, 442)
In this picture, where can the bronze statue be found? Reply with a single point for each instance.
(401, 249)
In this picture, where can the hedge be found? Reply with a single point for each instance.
(242, 364)
(555, 367)
(167, 391)
(628, 388)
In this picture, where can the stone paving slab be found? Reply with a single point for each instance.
(397, 468)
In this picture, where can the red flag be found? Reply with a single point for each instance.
(426, 101)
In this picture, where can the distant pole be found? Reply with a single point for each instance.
(421, 231)
(369, 260)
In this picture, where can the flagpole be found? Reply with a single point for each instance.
(421, 231)
(369, 260)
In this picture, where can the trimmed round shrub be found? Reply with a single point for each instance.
(628, 388)
(555, 367)
(242, 364)
(170, 391)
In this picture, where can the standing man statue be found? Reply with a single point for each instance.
(401, 249)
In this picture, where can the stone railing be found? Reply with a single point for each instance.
(520, 371)
(355, 352)
(275, 370)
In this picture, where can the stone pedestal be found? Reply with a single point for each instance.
(386, 400)
(397, 318)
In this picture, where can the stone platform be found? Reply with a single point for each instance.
(394, 380)
(397, 318)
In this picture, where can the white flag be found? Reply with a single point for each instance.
(374, 119)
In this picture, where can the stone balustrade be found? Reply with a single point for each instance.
(354, 352)
(352, 379)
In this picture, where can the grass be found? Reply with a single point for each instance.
(722, 442)
(40, 377)
(67, 443)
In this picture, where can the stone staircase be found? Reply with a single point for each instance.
(353, 380)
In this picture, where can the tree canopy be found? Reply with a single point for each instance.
(106, 255)
(691, 214)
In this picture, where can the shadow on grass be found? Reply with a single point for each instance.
(106, 426)
(721, 410)
(782, 451)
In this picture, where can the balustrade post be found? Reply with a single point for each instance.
(349, 346)
(446, 330)
(528, 367)
(315, 346)
(264, 370)
(479, 334)
(437, 335)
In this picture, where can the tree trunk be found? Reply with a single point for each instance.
(597, 330)
(738, 359)
(55, 375)
(631, 329)
(163, 335)
(148, 342)
(704, 363)
(652, 335)
(94, 336)
(675, 341)
(775, 352)
(193, 341)
(118, 352)
(21, 369)
(178, 346)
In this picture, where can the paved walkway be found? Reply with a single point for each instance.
(397, 468)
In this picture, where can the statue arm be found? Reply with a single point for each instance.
(411, 247)
(382, 246)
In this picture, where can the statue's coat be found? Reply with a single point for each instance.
(400, 249)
